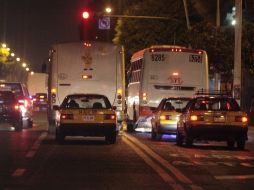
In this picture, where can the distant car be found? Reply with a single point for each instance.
(21, 93)
(215, 117)
(165, 117)
(10, 111)
(40, 100)
(86, 115)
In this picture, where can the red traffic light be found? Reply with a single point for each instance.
(85, 15)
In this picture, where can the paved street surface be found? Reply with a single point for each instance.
(32, 159)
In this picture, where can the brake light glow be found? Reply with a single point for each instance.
(193, 117)
(175, 74)
(87, 76)
(165, 117)
(144, 98)
(242, 119)
(67, 116)
(110, 117)
(16, 107)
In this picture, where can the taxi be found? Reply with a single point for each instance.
(215, 117)
(165, 117)
(86, 115)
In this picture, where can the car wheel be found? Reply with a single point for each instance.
(179, 139)
(231, 144)
(18, 125)
(59, 136)
(241, 143)
(188, 141)
(153, 134)
(111, 138)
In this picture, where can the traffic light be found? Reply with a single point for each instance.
(85, 15)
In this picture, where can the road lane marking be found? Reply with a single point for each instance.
(179, 175)
(19, 172)
(234, 177)
(36, 145)
(157, 168)
(249, 165)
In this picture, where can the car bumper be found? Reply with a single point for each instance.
(167, 128)
(213, 132)
(87, 129)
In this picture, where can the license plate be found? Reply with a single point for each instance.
(88, 118)
(219, 119)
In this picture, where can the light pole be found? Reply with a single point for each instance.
(237, 54)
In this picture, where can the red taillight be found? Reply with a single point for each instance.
(110, 117)
(16, 107)
(193, 117)
(165, 117)
(67, 116)
(242, 119)
(24, 102)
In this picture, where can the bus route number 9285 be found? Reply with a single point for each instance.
(158, 57)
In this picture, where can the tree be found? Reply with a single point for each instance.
(136, 34)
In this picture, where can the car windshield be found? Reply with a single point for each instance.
(86, 101)
(176, 104)
(216, 104)
(6, 96)
(13, 87)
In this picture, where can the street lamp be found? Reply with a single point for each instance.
(27, 69)
(24, 64)
(108, 10)
(12, 54)
(18, 59)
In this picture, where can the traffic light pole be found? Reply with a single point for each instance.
(237, 54)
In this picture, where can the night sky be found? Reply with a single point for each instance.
(29, 27)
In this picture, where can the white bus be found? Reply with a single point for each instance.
(86, 67)
(163, 71)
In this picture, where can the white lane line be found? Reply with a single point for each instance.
(19, 172)
(162, 173)
(249, 165)
(36, 145)
(234, 177)
(179, 175)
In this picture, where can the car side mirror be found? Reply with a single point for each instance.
(56, 107)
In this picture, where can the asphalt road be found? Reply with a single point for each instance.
(32, 159)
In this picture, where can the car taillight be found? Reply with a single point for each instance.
(110, 117)
(24, 102)
(242, 119)
(67, 116)
(193, 117)
(16, 107)
(165, 117)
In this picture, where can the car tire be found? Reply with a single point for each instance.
(179, 139)
(153, 134)
(231, 144)
(111, 138)
(59, 136)
(28, 123)
(18, 125)
(188, 141)
(241, 143)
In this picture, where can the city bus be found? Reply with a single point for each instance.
(163, 71)
(86, 67)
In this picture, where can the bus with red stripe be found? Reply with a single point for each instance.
(163, 71)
